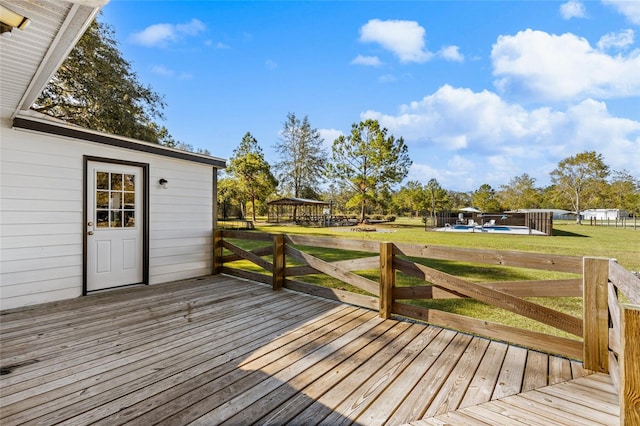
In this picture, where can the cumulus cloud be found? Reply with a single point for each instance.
(405, 39)
(573, 9)
(542, 66)
(620, 40)
(370, 61)
(161, 35)
(455, 119)
(329, 135)
(451, 53)
(478, 137)
(629, 8)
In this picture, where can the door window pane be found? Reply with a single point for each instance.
(129, 200)
(129, 219)
(102, 218)
(102, 180)
(116, 200)
(116, 181)
(129, 182)
(116, 219)
(102, 199)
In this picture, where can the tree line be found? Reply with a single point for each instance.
(361, 174)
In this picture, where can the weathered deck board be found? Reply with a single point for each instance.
(219, 350)
(589, 400)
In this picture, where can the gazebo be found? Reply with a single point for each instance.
(299, 210)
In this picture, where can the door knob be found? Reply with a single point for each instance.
(90, 224)
(90, 233)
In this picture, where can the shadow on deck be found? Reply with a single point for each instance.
(219, 350)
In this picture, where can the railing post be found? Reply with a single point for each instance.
(387, 279)
(278, 262)
(217, 252)
(596, 314)
(629, 358)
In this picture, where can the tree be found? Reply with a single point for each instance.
(485, 199)
(520, 193)
(302, 167)
(338, 195)
(95, 88)
(437, 197)
(228, 197)
(579, 178)
(252, 172)
(458, 200)
(301, 170)
(368, 161)
(410, 198)
(624, 192)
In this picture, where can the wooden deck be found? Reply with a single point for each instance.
(221, 350)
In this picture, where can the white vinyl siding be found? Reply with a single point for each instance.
(42, 223)
(180, 228)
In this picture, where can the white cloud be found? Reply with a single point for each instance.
(629, 8)
(387, 78)
(405, 39)
(162, 70)
(161, 35)
(478, 137)
(370, 61)
(620, 40)
(451, 53)
(573, 9)
(271, 64)
(192, 28)
(454, 119)
(329, 135)
(542, 66)
(167, 72)
(218, 45)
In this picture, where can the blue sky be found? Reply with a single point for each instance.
(480, 91)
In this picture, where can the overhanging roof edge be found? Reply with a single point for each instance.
(65, 130)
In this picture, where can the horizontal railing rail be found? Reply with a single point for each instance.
(269, 252)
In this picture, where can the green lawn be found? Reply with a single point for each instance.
(568, 239)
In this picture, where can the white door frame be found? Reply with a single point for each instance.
(89, 208)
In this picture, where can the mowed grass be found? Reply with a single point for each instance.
(568, 239)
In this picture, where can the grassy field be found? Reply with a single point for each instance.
(568, 239)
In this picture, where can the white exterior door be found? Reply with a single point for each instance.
(114, 225)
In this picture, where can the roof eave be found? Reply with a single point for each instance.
(80, 16)
(25, 121)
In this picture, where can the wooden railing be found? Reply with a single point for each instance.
(610, 330)
(613, 344)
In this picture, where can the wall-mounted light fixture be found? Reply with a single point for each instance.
(164, 183)
(10, 20)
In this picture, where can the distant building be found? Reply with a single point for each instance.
(603, 214)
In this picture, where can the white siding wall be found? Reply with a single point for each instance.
(42, 225)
